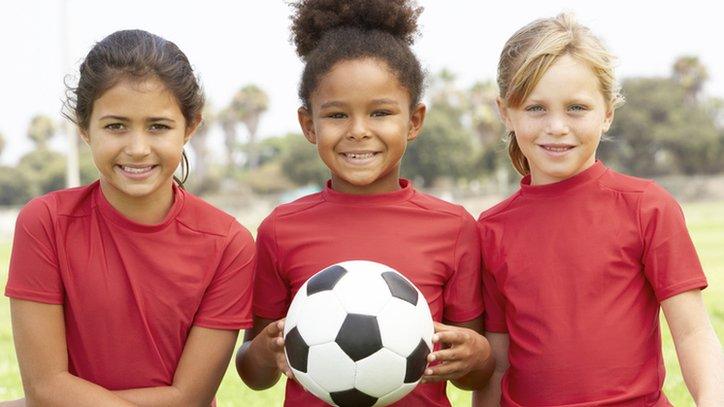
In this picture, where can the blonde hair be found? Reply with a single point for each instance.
(531, 51)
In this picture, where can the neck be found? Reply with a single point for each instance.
(388, 183)
(148, 210)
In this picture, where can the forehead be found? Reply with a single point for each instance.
(568, 77)
(359, 79)
(132, 98)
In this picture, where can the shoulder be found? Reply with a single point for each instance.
(623, 183)
(297, 206)
(65, 202)
(202, 217)
(499, 208)
(436, 205)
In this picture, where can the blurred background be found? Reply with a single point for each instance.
(249, 155)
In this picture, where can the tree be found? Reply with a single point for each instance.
(248, 105)
(301, 163)
(2, 143)
(227, 120)
(691, 75)
(41, 130)
(658, 133)
(198, 144)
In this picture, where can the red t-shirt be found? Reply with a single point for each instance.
(574, 271)
(432, 242)
(131, 292)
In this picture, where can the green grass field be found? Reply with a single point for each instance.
(706, 223)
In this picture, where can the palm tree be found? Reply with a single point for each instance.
(41, 130)
(198, 144)
(227, 120)
(248, 104)
(691, 74)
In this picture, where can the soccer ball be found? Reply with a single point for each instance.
(358, 334)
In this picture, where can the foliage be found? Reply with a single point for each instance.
(15, 187)
(300, 162)
(657, 132)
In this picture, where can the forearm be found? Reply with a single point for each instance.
(257, 367)
(64, 389)
(489, 396)
(702, 366)
(478, 378)
(157, 397)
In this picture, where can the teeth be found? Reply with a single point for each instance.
(360, 156)
(134, 170)
(557, 149)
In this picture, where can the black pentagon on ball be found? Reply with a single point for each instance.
(297, 350)
(359, 336)
(325, 279)
(417, 362)
(352, 398)
(400, 288)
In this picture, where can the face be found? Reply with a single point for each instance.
(361, 121)
(136, 135)
(558, 127)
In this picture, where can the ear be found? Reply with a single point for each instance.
(192, 127)
(504, 113)
(417, 118)
(608, 119)
(306, 122)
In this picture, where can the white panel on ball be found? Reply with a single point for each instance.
(312, 386)
(330, 367)
(401, 327)
(360, 294)
(381, 373)
(320, 307)
(295, 310)
(395, 395)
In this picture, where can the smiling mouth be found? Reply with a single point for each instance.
(556, 148)
(359, 156)
(136, 170)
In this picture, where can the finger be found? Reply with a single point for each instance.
(444, 355)
(452, 370)
(453, 337)
(439, 326)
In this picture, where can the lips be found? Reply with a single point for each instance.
(557, 148)
(358, 157)
(136, 171)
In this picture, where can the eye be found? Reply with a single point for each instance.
(337, 115)
(534, 108)
(381, 113)
(578, 108)
(114, 126)
(159, 127)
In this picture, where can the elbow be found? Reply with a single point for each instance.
(41, 391)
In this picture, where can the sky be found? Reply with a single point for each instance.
(234, 43)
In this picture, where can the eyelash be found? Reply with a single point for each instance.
(539, 108)
(121, 126)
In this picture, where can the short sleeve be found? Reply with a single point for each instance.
(271, 292)
(227, 301)
(670, 262)
(494, 301)
(463, 291)
(34, 272)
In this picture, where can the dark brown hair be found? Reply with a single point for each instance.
(136, 55)
(326, 32)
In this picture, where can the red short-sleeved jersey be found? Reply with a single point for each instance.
(431, 242)
(574, 271)
(131, 292)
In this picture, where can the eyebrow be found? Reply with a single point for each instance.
(126, 119)
(335, 103)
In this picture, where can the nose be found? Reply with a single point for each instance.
(557, 125)
(137, 144)
(358, 130)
